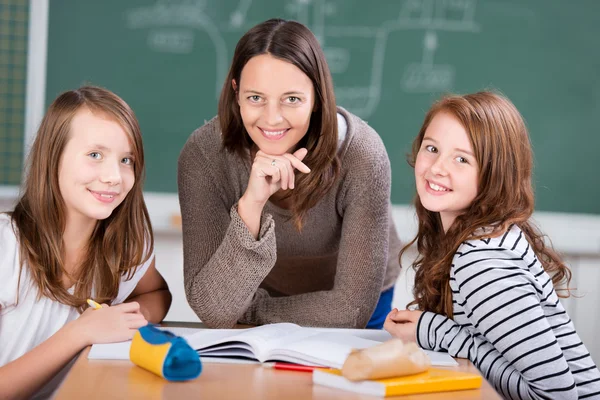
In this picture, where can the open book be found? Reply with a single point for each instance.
(275, 342)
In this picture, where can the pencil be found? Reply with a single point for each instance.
(92, 303)
(291, 367)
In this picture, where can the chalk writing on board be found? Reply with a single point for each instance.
(172, 26)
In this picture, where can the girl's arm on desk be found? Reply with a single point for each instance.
(153, 295)
(24, 376)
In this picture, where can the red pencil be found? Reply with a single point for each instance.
(291, 367)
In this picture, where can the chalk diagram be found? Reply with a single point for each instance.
(172, 26)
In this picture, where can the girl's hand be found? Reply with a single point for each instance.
(271, 173)
(109, 324)
(402, 324)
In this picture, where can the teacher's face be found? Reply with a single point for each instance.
(276, 102)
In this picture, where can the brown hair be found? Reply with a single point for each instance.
(118, 243)
(292, 42)
(504, 197)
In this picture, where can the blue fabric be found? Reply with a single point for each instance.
(165, 354)
(384, 306)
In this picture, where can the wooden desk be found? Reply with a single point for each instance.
(100, 379)
(112, 379)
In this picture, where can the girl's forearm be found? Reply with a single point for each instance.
(27, 374)
(154, 305)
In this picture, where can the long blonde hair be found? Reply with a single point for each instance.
(502, 148)
(118, 243)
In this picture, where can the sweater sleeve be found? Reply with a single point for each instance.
(510, 340)
(223, 263)
(362, 256)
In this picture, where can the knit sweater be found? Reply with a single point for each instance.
(510, 323)
(330, 274)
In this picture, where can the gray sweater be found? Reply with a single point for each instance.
(331, 274)
(509, 322)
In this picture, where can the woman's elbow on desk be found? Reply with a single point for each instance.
(212, 317)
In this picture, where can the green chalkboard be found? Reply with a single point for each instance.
(14, 21)
(390, 59)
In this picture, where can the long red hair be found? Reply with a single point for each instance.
(505, 196)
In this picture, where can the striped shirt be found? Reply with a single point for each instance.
(509, 322)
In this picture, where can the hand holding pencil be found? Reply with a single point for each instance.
(104, 324)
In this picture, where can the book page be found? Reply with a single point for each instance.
(379, 335)
(328, 349)
(285, 342)
(260, 339)
(441, 359)
(120, 350)
(110, 351)
(252, 341)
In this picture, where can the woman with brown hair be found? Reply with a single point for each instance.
(79, 230)
(285, 197)
(486, 284)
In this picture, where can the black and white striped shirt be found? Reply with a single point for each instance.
(509, 322)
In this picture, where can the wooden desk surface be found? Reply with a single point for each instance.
(112, 379)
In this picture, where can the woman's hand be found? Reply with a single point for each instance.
(269, 174)
(109, 324)
(402, 324)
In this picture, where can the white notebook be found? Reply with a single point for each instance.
(275, 342)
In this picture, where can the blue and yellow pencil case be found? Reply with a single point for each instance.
(165, 354)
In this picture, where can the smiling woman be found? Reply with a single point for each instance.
(276, 112)
(292, 221)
